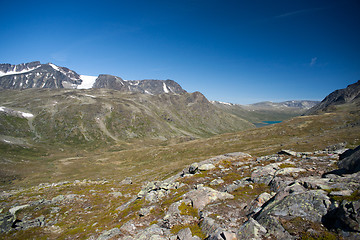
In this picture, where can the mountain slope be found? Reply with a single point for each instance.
(100, 116)
(347, 96)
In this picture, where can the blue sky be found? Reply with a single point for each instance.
(230, 50)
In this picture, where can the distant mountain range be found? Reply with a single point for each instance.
(267, 111)
(37, 75)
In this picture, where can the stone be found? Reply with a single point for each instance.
(289, 170)
(311, 205)
(216, 182)
(341, 193)
(288, 152)
(193, 168)
(116, 194)
(126, 181)
(128, 227)
(265, 174)
(345, 217)
(185, 234)
(6, 221)
(145, 211)
(204, 195)
(228, 235)
(251, 230)
(23, 225)
(352, 162)
(13, 210)
(206, 167)
(108, 234)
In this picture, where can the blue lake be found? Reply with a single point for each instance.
(266, 123)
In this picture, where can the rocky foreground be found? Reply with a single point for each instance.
(289, 195)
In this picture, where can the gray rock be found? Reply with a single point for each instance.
(206, 167)
(13, 210)
(193, 168)
(145, 211)
(265, 174)
(352, 162)
(289, 170)
(6, 221)
(346, 217)
(341, 193)
(311, 205)
(205, 195)
(128, 227)
(25, 224)
(288, 152)
(216, 182)
(185, 234)
(251, 230)
(108, 234)
(126, 181)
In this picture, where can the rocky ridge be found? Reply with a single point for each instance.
(37, 75)
(289, 195)
(350, 94)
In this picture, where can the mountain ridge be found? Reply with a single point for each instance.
(49, 75)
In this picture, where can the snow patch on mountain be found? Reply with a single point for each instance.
(166, 90)
(17, 72)
(87, 82)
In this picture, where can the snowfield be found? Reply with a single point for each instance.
(87, 82)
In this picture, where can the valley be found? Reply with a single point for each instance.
(144, 159)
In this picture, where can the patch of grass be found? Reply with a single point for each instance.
(300, 228)
(188, 210)
(247, 192)
(286, 165)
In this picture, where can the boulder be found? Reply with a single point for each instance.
(185, 234)
(193, 168)
(288, 152)
(251, 230)
(352, 162)
(345, 217)
(204, 195)
(265, 174)
(6, 222)
(206, 167)
(289, 170)
(311, 205)
(108, 234)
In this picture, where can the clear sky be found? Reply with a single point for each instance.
(230, 50)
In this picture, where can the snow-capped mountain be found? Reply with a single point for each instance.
(37, 75)
(143, 86)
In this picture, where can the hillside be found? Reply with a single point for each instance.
(348, 97)
(95, 117)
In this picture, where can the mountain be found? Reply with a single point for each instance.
(347, 96)
(37, 75)
(142, 86)
(267, 111)
(96, 117)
